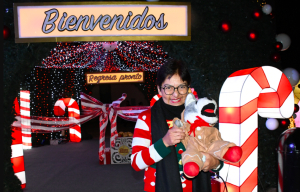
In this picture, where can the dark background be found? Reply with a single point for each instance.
(211, 55)
(287, 21)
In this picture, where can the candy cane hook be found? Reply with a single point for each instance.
(73, 113)
(245, 94)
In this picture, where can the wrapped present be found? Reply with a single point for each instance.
(120, 154)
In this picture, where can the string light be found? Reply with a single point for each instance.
(127, 56)
(62, 73)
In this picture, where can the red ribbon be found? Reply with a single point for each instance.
(199, 122)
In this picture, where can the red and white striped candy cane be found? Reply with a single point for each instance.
(154, 99)
(25, 119)
(17, 156)
(73, 113)
(111, 113)
(261, 90)
(113, 118)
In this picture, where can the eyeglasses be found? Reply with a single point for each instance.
(182, 89)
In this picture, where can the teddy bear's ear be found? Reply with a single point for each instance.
(190, 98)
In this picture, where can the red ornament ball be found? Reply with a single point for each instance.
(285, 122)
(225, 26)
(296, 108)
(278, 46)
(6, 32)
(256, 14)
(275, 57)
(252, 35)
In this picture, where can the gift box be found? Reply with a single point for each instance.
(121, 153)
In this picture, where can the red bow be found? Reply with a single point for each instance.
(199, 122)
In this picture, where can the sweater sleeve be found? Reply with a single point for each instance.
(144, 153)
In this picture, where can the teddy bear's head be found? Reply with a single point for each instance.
(205, 108)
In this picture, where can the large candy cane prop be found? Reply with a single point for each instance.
(73, 113)
(17, 156)
(25, 119)
(261, 90)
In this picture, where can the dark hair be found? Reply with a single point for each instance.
(170, 68)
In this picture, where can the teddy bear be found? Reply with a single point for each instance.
(203, 142)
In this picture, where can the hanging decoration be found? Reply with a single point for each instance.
(225, 26)
(6, 32)
(256, 14)
(267, 9)
(275, 57)
(252, 35)
(292, 75)
(284, 122)
(278, 46)
(107, 56)
(284, 39)
(272, 123)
